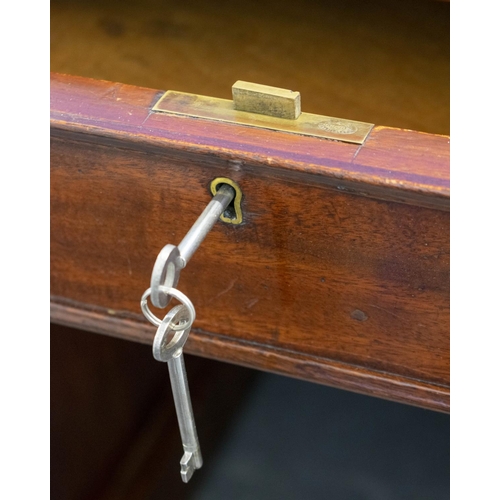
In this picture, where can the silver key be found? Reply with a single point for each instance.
(169, 349)
(172, 259)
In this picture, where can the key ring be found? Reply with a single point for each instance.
(183, 299)
(163, 348)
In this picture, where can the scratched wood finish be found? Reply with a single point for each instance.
(339, 274)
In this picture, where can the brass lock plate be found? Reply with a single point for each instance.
(212, 108)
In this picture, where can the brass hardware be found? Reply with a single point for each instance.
(233, 213)
(265, 100)
(212, 108)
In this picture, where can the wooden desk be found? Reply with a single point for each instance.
(339, 273)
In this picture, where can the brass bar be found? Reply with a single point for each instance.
(265, 100)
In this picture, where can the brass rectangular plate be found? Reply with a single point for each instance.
(212, 108)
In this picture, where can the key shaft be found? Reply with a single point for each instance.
(205, 222)
(172, 259)
(192, 458)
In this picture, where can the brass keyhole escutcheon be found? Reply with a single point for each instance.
(233, 213)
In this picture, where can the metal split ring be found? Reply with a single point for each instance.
(166, 346)
(183, 299)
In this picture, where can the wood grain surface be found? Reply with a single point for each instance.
(378, 61)
(339, 273)
(395, 164)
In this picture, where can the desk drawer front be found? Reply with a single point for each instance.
(316, 282)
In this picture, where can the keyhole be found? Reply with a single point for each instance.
(233, 213)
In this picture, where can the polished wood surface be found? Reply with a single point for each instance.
(396, 164)
(339, 273)
(377, 61)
